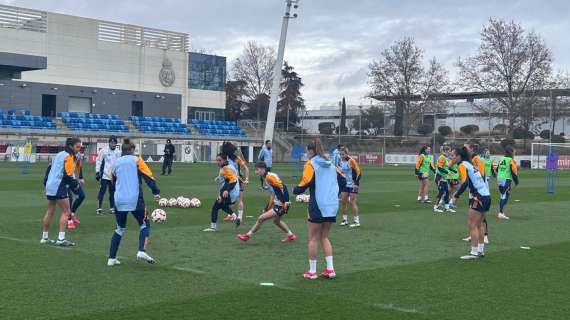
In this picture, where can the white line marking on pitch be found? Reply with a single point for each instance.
(188, 269)
(393, 307)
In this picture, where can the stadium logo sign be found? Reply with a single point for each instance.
(166, 74)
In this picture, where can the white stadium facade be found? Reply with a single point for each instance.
(63, 75)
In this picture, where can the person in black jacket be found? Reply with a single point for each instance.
(168, 157)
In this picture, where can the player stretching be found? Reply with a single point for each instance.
(349, 192)
(479, 201)
(507, 173)
(277, 207)
(59, 177)
(442, 174)
(128, 172)
(320, 177)
(228, 194)
(423, 166)
(105, 159)
(72, 222)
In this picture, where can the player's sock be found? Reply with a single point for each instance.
(61, 236)
(312, 266)
(419, 198)
(425, 197)
(345, 217)
(240, 214)
(481, 247)
(143, 235)
(213, 225)
(474, 251)
(45, 235)
(115, 242)
(329, 261)
(356, 219)
(289, 233)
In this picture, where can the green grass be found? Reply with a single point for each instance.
(401, 264)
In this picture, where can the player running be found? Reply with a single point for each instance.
(349, 192)
(58, 179)
(277, 206)
(73, 221)
(228, 194)
(479, 201)
(105, 159)
(442, 173)
(128, 173)
(320, 177)
(507, 173)
(423, 166)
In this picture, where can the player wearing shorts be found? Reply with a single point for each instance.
(320, 176)
(453, 181)
(58, 179)
(423, 166)
(442, 172)
(277, 206)
(479, 201)
(477, 161)
(73, 221)
(228, 193)
(507, 173)
(128, 173)
(243, 176)
(349, 192)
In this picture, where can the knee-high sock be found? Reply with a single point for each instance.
(78, 201)
(115, 242)
(143, 235)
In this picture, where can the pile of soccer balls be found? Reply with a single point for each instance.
(158, 216)
(181, 202)
(303, 198)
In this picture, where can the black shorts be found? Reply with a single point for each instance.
(422, 177)
(279, 210)
(348, 189)
(453, 182)
(322, 219)
(60, 197)
(480, 204)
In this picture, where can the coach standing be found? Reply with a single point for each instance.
(168, 157)
(266, 155)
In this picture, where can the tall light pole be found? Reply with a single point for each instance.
(276, 86)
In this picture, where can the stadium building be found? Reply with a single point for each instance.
(64, 75)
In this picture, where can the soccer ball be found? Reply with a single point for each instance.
(303, 198)
(180, 201)
(158, 216)
(172, 202)
(185, 203)
(195, 203)
(163, 202)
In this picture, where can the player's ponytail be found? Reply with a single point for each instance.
(317, 148)
(423, 150)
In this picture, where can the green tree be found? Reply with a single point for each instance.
(235, 95)
(291, 103)
(371, 119)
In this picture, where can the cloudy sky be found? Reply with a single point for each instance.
(332, 41)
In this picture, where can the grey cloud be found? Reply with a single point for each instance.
(332, 42)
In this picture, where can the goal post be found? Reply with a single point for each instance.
(551, 157)
(539, 152)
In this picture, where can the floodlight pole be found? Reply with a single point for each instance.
(276, 86)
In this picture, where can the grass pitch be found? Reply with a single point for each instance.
(403, 263)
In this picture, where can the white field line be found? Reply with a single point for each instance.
(395, 308)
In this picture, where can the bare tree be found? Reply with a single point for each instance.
(400, 72)
(509, 59)
(255, 68)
